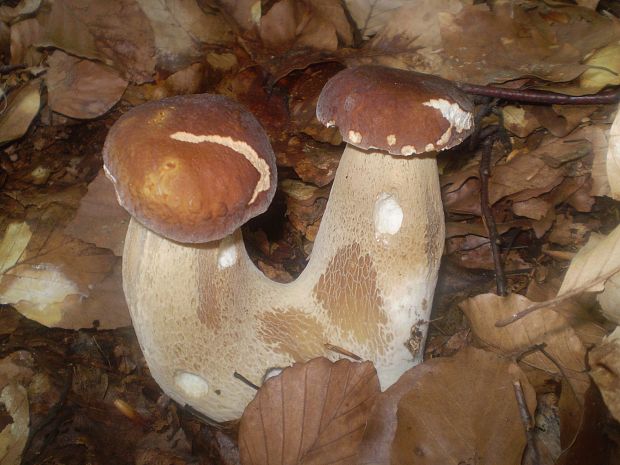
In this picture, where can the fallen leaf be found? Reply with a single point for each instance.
(312, 413)
(24, 35)
(613, 158)
(14, 435)
(463, 410)
(604, 69)
(21, 108)
(596, 262)
(10, 14)
(100, 220)
(544, 326)
(370, 16)
(81, 89)
(605, 371)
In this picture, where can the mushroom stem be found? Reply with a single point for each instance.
(204, 312)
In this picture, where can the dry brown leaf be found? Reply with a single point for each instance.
(100, 220)
(313, 24)
(24, 35)
(14, 435)
(62, 281)
(520, 120)
(605, 371)
(410, 35)
(81, 89)
(613, 159)
(10, 14)
(180, 29)
(543, 326)
(464, 410)
(312, 413)
(520, 39)
(370, 16)
(22, 106)
(598, 258)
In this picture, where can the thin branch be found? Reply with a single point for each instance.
(528, 423)
(539, 96)
(556, 300)
(487, 214)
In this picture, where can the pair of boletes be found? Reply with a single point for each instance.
(192, 169)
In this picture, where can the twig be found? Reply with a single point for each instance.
(246, 381)
(527, 421)
(556, 300)
(487, 214)
(341, 351)
(539, 96)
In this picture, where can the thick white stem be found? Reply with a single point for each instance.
(202, 313)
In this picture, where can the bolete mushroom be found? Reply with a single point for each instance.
(204, 313)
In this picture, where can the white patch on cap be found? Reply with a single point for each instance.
(227, 253)
(456, 116)
(429, 148)
(388, 215)
(391, 139)
(408, 150)
(192, 385)
(264, 182)
(330, 124)
(355, 137)
(443, 140)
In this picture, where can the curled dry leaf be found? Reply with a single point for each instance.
(22, 106)
(464, 410)
(541, 327)
(312, 413)
(613, 158)
(598, 264)
(605, 371)
(81, 89)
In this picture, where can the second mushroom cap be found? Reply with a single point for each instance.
(401, 112)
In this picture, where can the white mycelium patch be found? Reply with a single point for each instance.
(388, 214)
(227, 253)
(263, 184)
(355, 137)
(192, 385)
(461, 120)
(408, 150)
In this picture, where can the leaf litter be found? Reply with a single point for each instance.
(72, 69)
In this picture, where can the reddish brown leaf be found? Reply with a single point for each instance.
(463, 411)
(312, 413)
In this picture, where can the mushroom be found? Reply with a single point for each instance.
(204, 314)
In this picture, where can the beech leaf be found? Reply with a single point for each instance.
(312, 413)
(22, 107)
(464, 410)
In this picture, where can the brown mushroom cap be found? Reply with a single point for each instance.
(401, 112)
(192, 168)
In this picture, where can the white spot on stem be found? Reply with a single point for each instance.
(192, 385)
(388, 215)
(227, 253)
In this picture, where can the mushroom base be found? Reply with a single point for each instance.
(203, 313)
